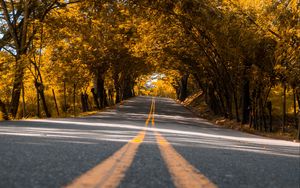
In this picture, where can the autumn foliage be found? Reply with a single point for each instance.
(63, 57)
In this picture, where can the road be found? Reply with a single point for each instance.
(146, 142)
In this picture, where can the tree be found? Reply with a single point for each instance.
(18, 19)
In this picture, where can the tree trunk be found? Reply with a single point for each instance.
(259, 114)
(213, 101)
(23, 101)
(295, 108)
(111, 96)
(3, 110)
(86, 101)
(236, 105)
(74, 99)
(117, 87)
(42, 94)
(127, 92)
(269, 107)
(40, 87)
(101, 90)
(118, 97)
(16, 92)
(55, 102)
(221, 105)
(263, 116)
(256, 118)
(246, 94)
(228, 101)
(246, 102)
(298, 99)
(38, 114)
(198, 81)
(254, 114)
(105, 99)
(177, 89)
(183, 87)
(65, 98)
(21, 44)
(284, 107)
(83, 104)
(298, 133)
(95, 98)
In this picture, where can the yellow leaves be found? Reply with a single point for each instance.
(97, 22)
(253, 4)
(2, 59)
(156, 84)
(6, 74)
(163, 89)
(177, 9)
(124, 11)
(279, 68)
(294, 4)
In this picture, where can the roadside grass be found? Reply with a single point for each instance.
(196, 103)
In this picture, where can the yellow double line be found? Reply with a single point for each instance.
(110, 172)
(151, 114)
(182, 172)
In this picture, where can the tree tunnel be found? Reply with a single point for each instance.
(236, 52)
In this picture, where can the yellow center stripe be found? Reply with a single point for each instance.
(182, 172)
(153, 112)
(150, 113)
(111, 171)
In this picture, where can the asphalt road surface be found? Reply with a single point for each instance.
(146, 142)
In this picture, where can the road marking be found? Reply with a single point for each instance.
(182, 172)
(111, 171)
(150, 112)
(153, 112)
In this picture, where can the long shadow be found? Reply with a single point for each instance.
(239, 168)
